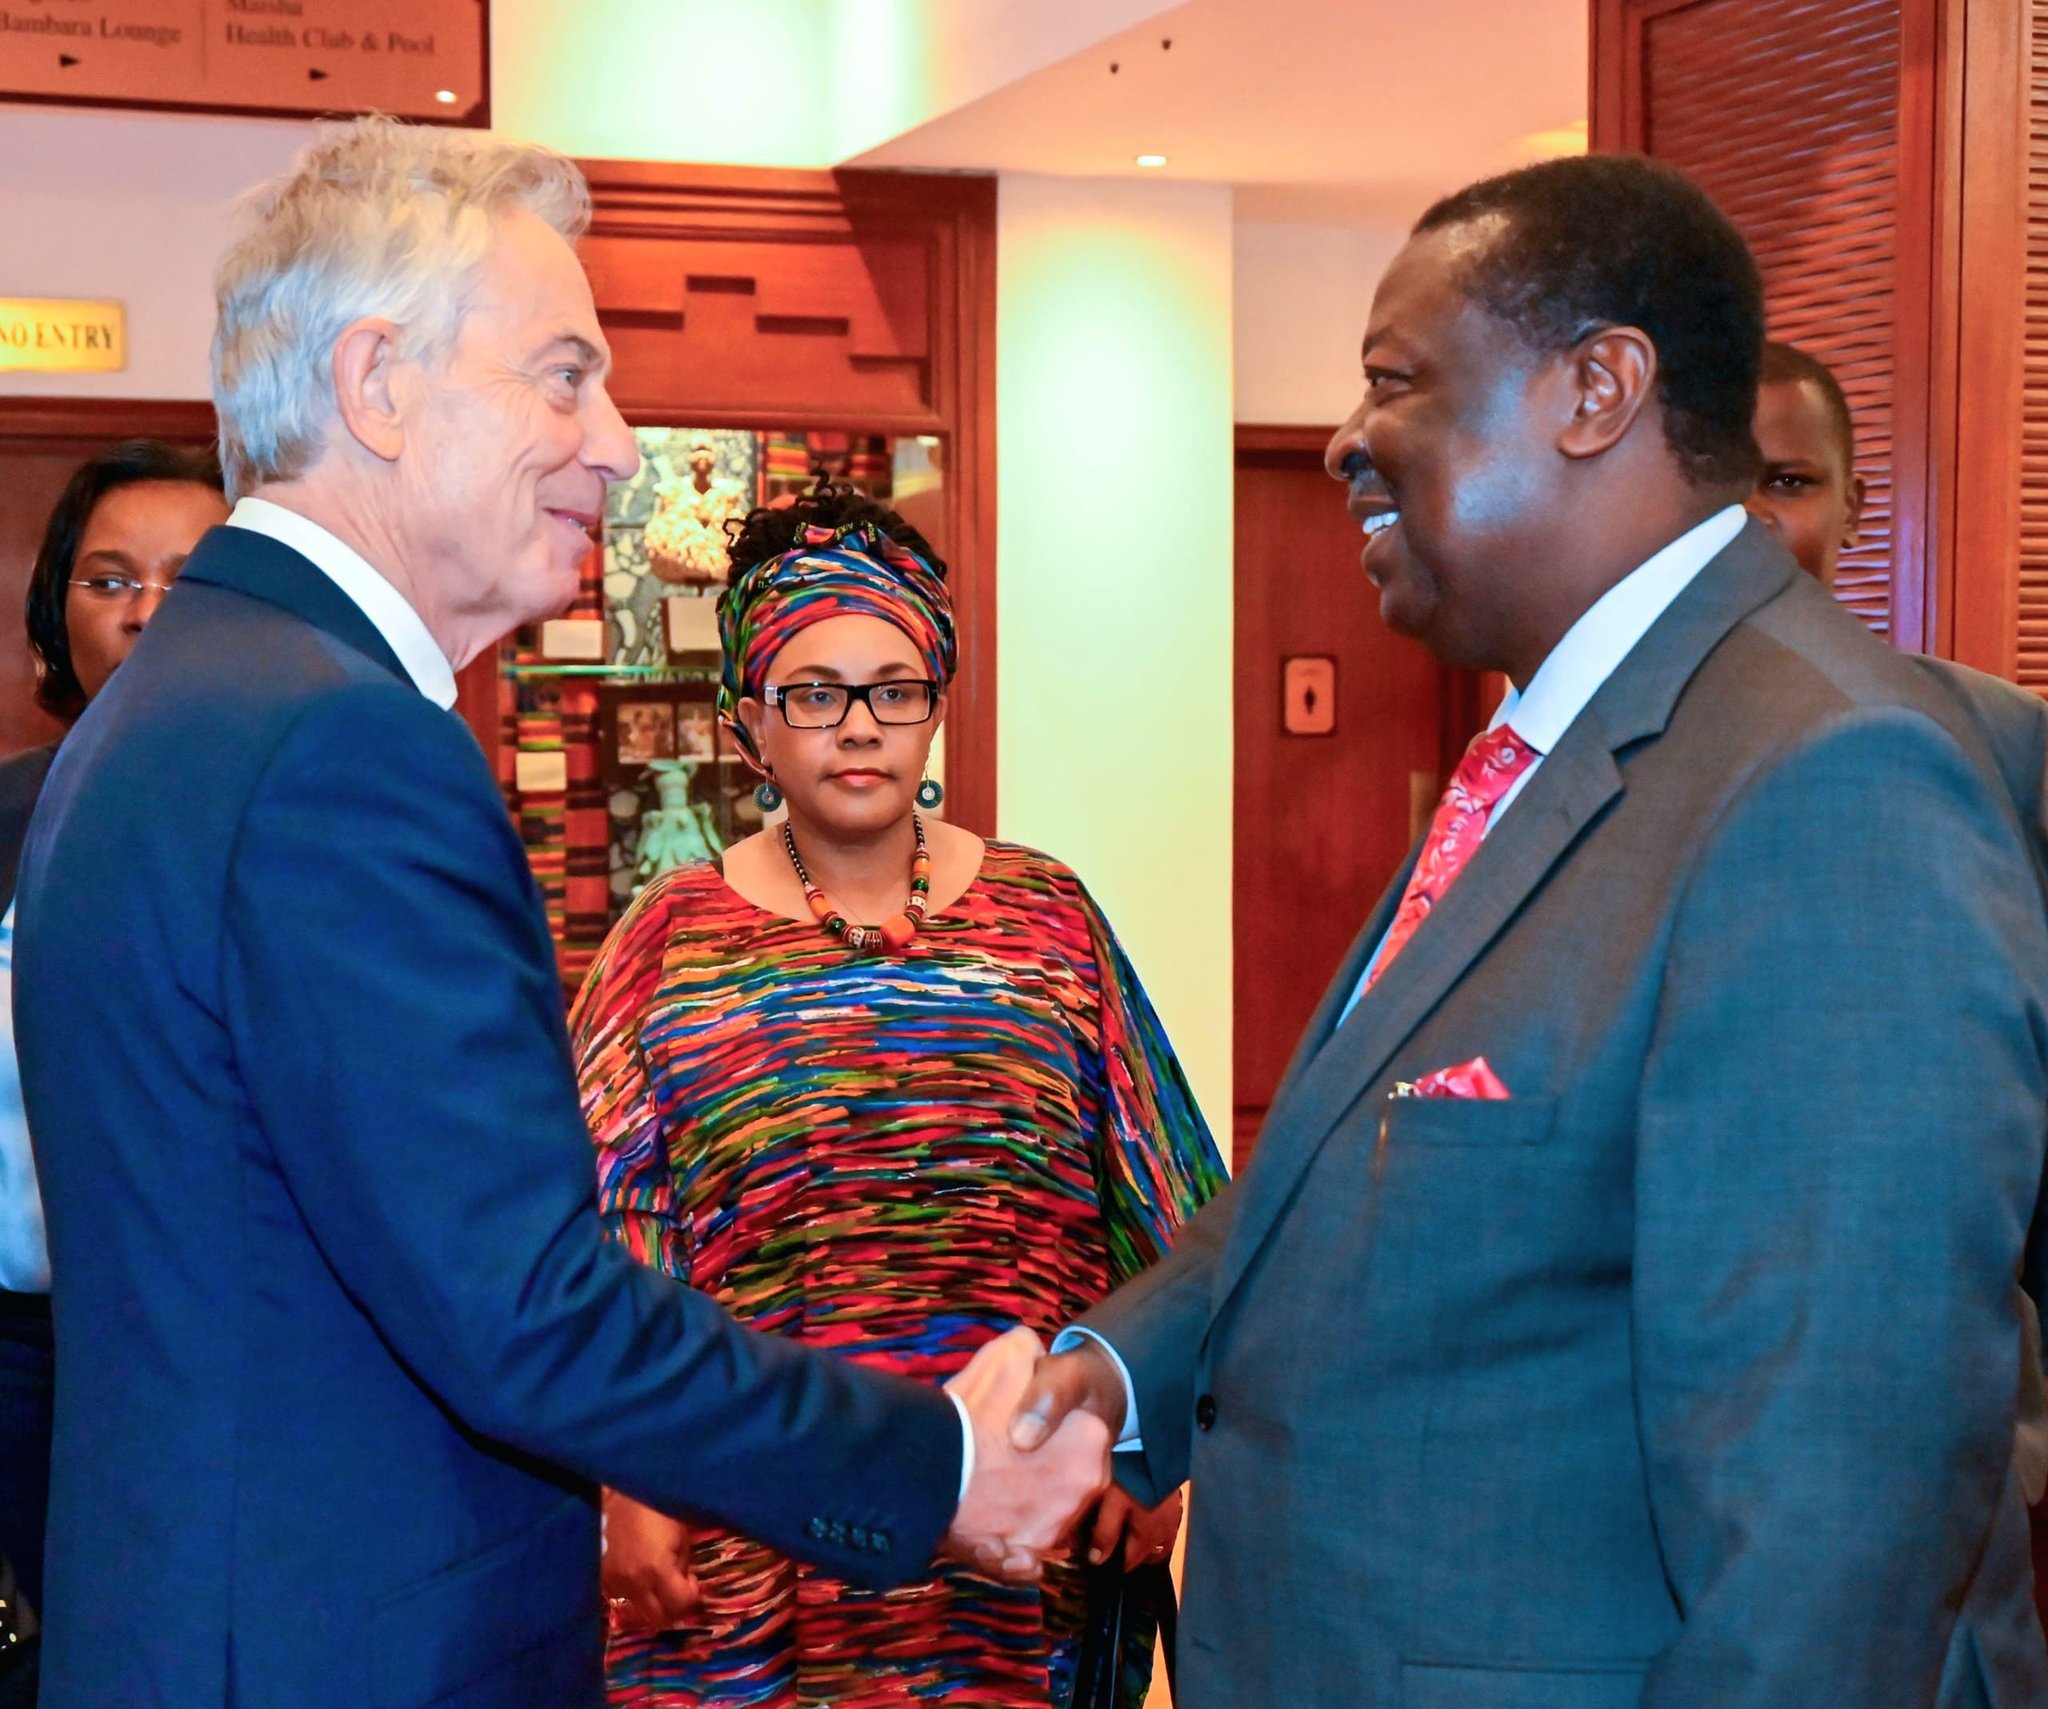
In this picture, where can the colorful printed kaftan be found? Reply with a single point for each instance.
(897, 1157)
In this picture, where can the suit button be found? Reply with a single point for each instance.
(816, 1530)
(1205, 1412)
(837, 1532)
(880, 1539)
(858, 1536)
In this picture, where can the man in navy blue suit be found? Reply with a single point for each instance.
(344, 1352)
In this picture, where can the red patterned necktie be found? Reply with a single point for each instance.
(1486, 773)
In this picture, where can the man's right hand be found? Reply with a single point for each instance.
(648, 1585)
(1084, 1379)
(1019, 1506)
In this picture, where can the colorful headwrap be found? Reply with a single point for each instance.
(852, 571)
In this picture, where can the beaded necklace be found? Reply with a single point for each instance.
(893, 933)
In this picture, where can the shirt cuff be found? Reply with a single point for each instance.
(1066, 1341)
(966, 1445)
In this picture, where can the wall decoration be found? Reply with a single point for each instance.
(639, 518)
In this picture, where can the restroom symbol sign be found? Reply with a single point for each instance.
(1308, 695)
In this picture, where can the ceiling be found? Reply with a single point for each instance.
(1335, 111)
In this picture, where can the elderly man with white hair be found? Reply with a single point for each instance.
(343, 1351)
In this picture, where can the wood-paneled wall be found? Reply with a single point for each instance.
(1871, 152)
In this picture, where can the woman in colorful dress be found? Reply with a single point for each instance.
(878, 1084)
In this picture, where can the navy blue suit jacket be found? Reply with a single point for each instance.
(342, 1351)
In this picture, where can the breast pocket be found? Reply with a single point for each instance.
(1467, 1122)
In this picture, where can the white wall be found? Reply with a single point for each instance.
(1302, 293)
(134, 207)
(1114, 572)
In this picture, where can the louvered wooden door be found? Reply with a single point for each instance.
(1788, 113)
(2032, 650)
(1874, 153)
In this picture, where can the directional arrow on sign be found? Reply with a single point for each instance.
(67, 60)
(317, 76)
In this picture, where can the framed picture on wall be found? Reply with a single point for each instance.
(641, 722)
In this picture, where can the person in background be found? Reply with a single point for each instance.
(895, 1140)
(1809, 493)
(121, 530)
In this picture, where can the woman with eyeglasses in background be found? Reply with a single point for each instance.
(120, 532)
(880, 1085)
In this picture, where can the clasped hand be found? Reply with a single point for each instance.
(1042, 1434)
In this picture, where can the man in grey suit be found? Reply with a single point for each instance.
(1622, 1307)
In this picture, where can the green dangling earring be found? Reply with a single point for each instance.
(930, 793)
(766, 796)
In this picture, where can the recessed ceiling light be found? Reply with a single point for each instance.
(1151, 160)
(445, 96)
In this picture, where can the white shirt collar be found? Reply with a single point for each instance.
(1594, 646)
(403, 629)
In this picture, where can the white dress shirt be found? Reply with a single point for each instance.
(24, 1250)
(1575, 670)
(405, 632)
(403, 629)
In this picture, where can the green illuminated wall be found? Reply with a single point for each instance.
(1114, 572)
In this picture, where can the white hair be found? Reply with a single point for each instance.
(374, 218)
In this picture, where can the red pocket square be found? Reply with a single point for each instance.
(1468, 1080)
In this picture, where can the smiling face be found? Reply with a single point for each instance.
(1447, 459)
(509, 441)
(860, 777)
(1810, 495)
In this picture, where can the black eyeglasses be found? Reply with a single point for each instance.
(824, 705)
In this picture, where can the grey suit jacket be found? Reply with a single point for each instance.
(1685, 1377)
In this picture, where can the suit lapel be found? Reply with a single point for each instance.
(249, 563)
(1338, 1063)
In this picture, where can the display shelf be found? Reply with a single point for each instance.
(617, 673)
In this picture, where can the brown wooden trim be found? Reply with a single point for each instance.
(1284, 438)
(476, 698)
(1606, 77)
(85, 425)
(971, 502)
(1617, 99)
(1982, 313)
(1923, 202)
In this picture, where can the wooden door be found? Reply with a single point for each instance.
(1884, 160)
(1323, 821)
(42, 440)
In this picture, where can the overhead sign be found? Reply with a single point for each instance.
(419, 59)
(56, 335)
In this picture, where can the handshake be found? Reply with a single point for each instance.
(1043, 1426)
